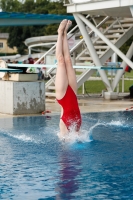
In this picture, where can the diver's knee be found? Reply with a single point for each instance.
(68, 59)
(61, 59)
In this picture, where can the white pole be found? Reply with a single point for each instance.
(131, 9)
(29, 50)
(123, 65)
(114, 59)
(92, 50)
(122, 83)
(83, 89)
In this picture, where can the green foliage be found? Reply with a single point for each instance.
(96, 86)
(51, 29)
(10, 5)
(28, 6)
(92, 87)
(17, 35)
(126, 46)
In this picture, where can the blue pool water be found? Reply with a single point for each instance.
(36, 165)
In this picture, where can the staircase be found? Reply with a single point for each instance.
(117, 30)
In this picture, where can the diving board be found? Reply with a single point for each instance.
(55, 66)
(24, 19)
(10, 70)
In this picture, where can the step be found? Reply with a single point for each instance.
(99, 42)
(98, 52)
(102, 42)
(112, 36)
(116, 31)
(50, 94)
(51, 87)
(109, 21)
(123, 25)
(84, 58)
(82, 64)
(127, 20)
(101, 47)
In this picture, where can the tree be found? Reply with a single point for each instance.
(126, 45)
(10, 5)
(17, 35)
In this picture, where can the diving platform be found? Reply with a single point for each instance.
(103, 26)
(113, 8)
(20, 93)
(18, 98)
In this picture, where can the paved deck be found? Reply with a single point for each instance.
(92, 103)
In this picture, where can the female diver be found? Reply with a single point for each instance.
(66, 84)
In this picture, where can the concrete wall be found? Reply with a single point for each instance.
(22, 97)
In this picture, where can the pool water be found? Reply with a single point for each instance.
(35, 164)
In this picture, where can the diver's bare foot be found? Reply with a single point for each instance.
(62, 26)
(69, 23)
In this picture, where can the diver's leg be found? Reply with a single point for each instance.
(70, 71)
(61, 81)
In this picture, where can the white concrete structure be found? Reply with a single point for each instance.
(119, 28)
(113, 8)
(104, 26)
(18, 98)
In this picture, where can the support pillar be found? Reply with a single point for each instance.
(92, 51)
(131, 9)
(123, 65)
(29, 50)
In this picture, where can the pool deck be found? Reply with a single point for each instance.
(95, 103)
(91, 103)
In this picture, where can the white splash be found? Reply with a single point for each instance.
(83, 136)
(116, 123)
(23, 137)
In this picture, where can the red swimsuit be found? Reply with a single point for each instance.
(71, 115)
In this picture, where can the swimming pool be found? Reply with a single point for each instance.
(36, 165)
